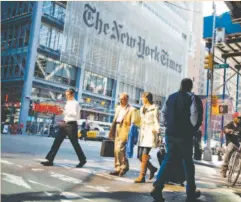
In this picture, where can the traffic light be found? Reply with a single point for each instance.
(208, 61)
(214, 101)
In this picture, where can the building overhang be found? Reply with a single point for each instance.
(235, 9)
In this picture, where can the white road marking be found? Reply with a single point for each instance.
(68, 166)
(48, 194)
(16, 180)
(65, 178)
(40, 160)
(110, 160)
(83, 170)
(44, 185)
(123, 179)
(70, 195)
(6, 162)
(98, 188)
(37, 169)
(104, 175)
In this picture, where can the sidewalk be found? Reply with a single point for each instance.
(212, 164)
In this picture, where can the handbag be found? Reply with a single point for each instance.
(107, 148)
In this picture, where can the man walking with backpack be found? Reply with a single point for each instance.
(180, 117)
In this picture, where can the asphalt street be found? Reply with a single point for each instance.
(24, 179)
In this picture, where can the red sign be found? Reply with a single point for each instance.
(45, 108)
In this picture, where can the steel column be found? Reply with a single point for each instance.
(30, 64)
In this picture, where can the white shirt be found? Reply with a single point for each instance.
(121, 114)
(71, 111)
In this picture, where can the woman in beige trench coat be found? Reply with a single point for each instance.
(148, 137)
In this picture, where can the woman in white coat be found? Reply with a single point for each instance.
(148, 137)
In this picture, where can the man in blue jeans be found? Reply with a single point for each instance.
(180, 116)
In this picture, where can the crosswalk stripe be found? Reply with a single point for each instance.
(14, 179)
(6, 162)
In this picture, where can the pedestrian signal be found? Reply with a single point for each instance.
(223, 109)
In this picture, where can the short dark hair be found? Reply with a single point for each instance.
(149, 96)
(71, 91)
(186, 85)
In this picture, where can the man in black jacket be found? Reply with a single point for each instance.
(180, 117)
(233, 136)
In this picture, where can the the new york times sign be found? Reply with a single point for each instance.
(116, 32)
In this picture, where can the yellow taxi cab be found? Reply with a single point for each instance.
(98, 130)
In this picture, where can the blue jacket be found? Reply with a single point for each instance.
(132, 140)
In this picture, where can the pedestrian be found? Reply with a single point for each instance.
(232, 140)
(125, 115)
(84, 129)
(70, 128)
(180, 118)
(148, 138)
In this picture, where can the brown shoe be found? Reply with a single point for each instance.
(223, 174)
(115, 173)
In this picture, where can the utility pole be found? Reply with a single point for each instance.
(224, 81)
(238, 67)
(207, 151)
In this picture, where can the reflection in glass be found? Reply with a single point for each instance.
(98, 84)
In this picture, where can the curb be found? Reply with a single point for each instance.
(211, 165)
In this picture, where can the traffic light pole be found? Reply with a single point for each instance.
(237, 92)
(224, 81)
(207, 151)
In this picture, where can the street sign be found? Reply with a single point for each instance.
(221, 66)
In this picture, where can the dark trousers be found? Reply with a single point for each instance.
(175, 149)
(71, 130)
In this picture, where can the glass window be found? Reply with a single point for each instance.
(98, 84)
(58, 72)
(56, 11)
(48, 7)
(50, 66)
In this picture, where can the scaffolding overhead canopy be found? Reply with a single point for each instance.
(235, 9)
(230, 46)
(107, 38)
(227, 50)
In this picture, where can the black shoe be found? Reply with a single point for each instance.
(156, 193)
(47, 163)
(115, 173)
(81, 164)
(197, 195)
